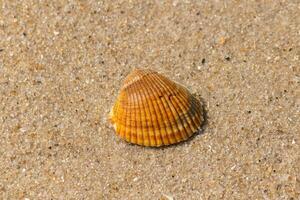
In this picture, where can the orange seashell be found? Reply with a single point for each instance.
(152, 110)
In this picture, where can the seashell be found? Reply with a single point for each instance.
(152, 110)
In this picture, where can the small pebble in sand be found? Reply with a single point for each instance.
(222, 40)
(227, 58)
(152, 110)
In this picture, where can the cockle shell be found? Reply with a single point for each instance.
(152, 110)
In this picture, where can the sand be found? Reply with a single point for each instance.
(63, 62)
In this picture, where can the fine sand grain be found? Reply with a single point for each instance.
(61, 66)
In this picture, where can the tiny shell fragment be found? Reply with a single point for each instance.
(152, 110)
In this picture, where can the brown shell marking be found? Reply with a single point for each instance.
(152, 110)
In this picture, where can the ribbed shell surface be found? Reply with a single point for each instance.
(152, 110)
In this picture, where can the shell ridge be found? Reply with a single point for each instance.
(198, 113)
(121, 118)
(183, 101)
(128, 114)
(132, 78)
(131, 116)
(192, 109)
(156, 113)
(193, 112)
(139, 135)
(135, 76)
(117, 117)
(148, 126)
(124, 122)
(173, 111)
(186, 114)
(133, 134)
(183, 121)
(184, 106)
(159, 113)
(173, 118)
(163, 110)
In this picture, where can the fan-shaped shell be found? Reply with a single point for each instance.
(152, 110)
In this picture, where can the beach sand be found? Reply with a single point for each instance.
(63, 62)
